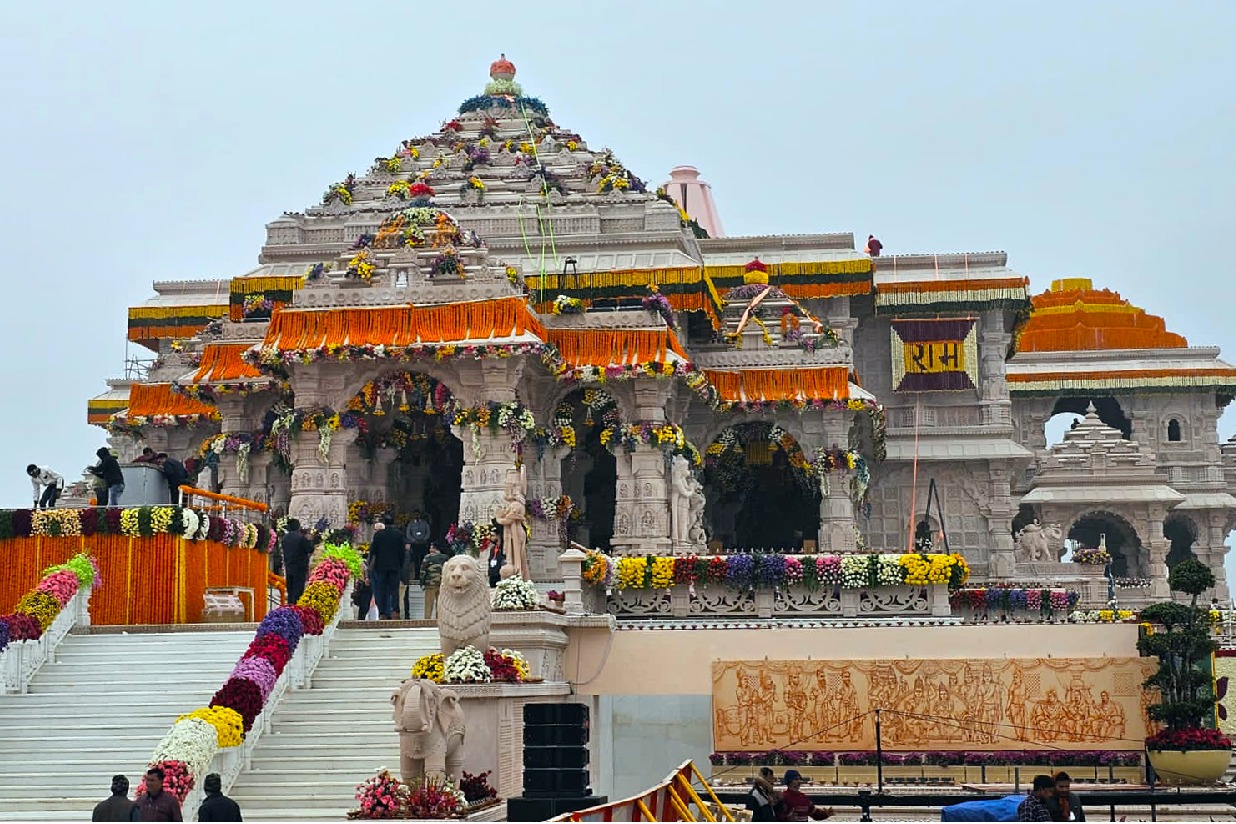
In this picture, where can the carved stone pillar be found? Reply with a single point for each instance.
(837, 533)
(641, 507)
(1218, 556)
(994, 391)
(545, 544)
(1157, 547)
(1002, 560)
(319, 486)
(840, 320)
(487, 456)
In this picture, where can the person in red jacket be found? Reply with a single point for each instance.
(795, 805)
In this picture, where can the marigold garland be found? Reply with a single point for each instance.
(40, 606)
(322, 598)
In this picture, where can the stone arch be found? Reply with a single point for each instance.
(761, 494)
(1106, 407)
(719, 424)
(589, 472)
(1182, 532)
(1173, 427)
(356, 380)
(562, 391)
(1129, 556)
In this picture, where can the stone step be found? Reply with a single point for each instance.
(363, 764)
(116, 743)
(292, 740)
(325, 786)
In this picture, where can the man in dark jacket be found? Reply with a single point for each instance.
(385, 560)
(217, 806)
(118, 807)
(108, 470)
(296, 550)
(175, 474)
(157, 805)
(1065, 804)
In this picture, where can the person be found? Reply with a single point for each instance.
(148, 456)
(295, 549)
(418, 541)
(496, 557)
(1064, 805)
(156, 805)
(50, 483)
(362, 595)
(385, 560)
(873, 246)
(431, 576)
(108, 471)
(795, 805)
(1034, 806)
(763, 798)
(217, 806)
(118, 807)
(173, 472)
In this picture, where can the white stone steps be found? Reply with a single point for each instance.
(99, 710)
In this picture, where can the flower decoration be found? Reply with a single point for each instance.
(1092, 556)
(466, 665)
(259, 670)
(382, 796)
(310, 619)
(241, 695)
(515, 593)
(361, 266)
(178, 780)
(564, 305)
(430, 667)
(40, 606)
(323, 598)
(502, 668)
(284, 622)
(447, 264)
(229, 727)
(61, 585)
(22, 627)
(273, 649)
(476, 788)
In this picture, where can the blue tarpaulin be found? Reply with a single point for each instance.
(997, 809)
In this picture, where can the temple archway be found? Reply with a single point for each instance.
(1107, 408)
(761, 490)
(590, 471)
(1182, 532)
(405, 432)
(1119, 536)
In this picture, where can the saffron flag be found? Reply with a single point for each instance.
(935, 355)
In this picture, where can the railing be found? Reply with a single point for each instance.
(229, 762)
(188, 493)
(22, 659)
(671, 800)
(787, 601)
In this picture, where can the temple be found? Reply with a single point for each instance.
(500, 295)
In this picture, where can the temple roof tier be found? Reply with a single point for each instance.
(1072, 315)
(967, 281)
(1116, 371)
(100, 408)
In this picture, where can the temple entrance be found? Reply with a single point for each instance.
(1117, 535)
(1182, 532)
(762, 491)
(590, 472)
(1107, 408)
(405, 424)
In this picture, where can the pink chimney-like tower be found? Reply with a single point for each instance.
(694, 197)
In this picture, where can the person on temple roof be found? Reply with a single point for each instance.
(873, 246)
(51, 484)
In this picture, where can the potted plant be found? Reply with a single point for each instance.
(1183, 752)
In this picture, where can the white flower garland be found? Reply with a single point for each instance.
(191, 522)
(192, 741)
(466, 665)
(204, 529)
(242, 463)
(515, 593)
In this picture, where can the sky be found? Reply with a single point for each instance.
(149, 141)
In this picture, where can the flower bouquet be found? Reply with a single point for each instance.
(466, 665)
(1092, 556)
(435, 799)
(502, 667)
(447, 264)
(564, 305)
(382, 796)
(515, 594)
(258, 307)
(476, 788)
(430, 667)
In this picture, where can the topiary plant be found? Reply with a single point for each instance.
(1181, 645)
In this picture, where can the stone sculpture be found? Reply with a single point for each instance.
(1034, 543)
(464, 610)
(682, 487)
(431, 731)
(697, 534)
(513, 516)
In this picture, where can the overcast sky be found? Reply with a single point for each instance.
(151, 141)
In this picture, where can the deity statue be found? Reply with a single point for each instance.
(513, 517)
(682, 487)
(696, 533)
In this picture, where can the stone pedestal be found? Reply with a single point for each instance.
(540, 635)
(641, 507)
(837, 517)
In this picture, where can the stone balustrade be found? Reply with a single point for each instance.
(20, 660)
(790, 601)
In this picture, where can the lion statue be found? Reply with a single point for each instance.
(464, 610)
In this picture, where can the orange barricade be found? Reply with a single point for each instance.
(671, 800)
(156, 580)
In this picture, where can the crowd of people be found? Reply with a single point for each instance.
(108, 477)
(154, 804)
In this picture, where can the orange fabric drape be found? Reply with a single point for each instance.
(402, 325)
(157, 580)
(1092, 319)
(753, 385)
(148, 399)
(222, 362)
(602, 347)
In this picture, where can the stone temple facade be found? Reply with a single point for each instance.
(499, 310)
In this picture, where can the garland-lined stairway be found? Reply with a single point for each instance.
(100, 710)
(327, 739)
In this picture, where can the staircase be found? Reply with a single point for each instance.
(325, 740)
(100, 710)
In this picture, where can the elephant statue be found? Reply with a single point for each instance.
(431, 731)
(1036, 543)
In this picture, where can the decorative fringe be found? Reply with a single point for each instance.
(396, 326)
(923, 286)
(253, 286)
(858, 266)
(767, 385)
(99, 413)
(1139, 379)
(634, 278)
(222, 362)
(150, 399)
(618, 347)
(807, 291)
(211, 310)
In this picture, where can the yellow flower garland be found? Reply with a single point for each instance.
(322, 598)
(40, 606)
(228, 724)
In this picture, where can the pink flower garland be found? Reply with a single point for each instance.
(258, 670)
(332, 571)
(60, 585)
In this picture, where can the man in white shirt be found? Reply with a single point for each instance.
(48, 482)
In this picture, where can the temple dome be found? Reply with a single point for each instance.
(502, 69)
(1074, 316)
